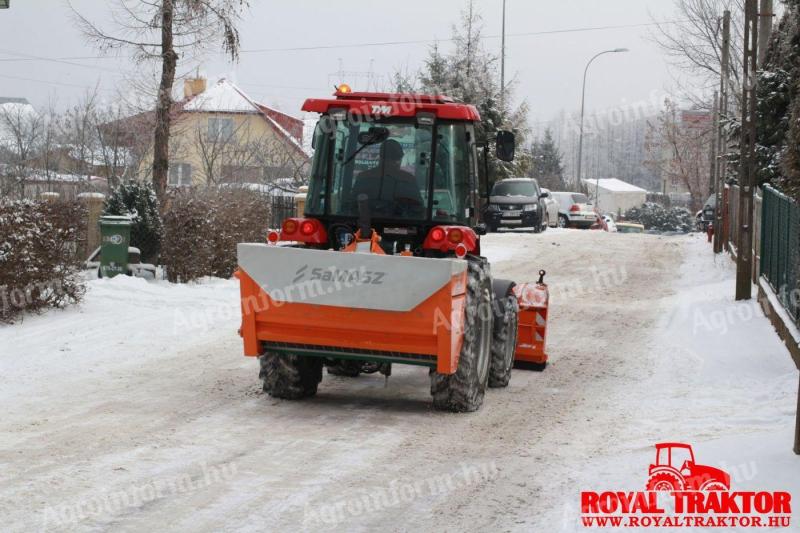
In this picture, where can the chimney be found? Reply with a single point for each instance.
(193, 86)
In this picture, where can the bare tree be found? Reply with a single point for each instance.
(158, 30)
(78, 132)
(694, 42)
(21, 131)
(679, 152)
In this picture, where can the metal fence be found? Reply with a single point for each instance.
(281, 208)
(780, 241)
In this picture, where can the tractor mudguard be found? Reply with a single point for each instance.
(352, 305)
(501, 288)
(534, 299)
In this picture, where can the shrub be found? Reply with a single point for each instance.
(138, 200)
(39, 264)
(656, 217)
(202, 229)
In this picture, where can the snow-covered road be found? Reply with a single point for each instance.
(137, 412)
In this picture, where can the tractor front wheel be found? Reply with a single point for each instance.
(464, 390)
(289, 376)
(504, 342)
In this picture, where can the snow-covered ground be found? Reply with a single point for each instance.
(137, 411)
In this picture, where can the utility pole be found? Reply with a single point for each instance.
(744, 252)
(722, 132)
(714, 178)
(765, 16)
(503, 63)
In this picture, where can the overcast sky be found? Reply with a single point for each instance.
(548, 67)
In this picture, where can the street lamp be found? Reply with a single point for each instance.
(583, 107)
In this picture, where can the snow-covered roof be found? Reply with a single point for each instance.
(225, 97)
(614, 185)
(222, 97)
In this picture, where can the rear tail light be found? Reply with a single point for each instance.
(289, 226)
(273, 237)
(307, 227)
(455, 236)
(458, 239)
(307, 230)
(575, 208)
(437, 234)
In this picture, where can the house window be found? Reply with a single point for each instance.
(180, 174)
(220, 128)
(240, 174)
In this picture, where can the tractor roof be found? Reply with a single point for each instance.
(393, 105)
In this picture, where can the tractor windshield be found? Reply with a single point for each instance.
(396, 164)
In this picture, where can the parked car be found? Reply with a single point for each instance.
(574, 210)
(550, 208)
(705, 216)
(517, 203)
(629, 227)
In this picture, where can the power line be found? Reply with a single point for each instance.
(44, 81)
(355, 45)
(430, 41)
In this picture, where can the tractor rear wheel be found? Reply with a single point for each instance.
(464, 390)
(289, 376)
(504, 342)
(665, 481)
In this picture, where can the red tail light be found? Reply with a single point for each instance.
(307, 227)
(273, 237)
(451, 239)
(437, 234)
(575, 208)
(307, 230)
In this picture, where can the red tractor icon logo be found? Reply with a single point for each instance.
(675, 469)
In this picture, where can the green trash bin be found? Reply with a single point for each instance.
(115, 237)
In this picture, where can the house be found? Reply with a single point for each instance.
(219, 135)
(615, 196)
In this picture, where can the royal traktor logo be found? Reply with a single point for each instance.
(682, 493)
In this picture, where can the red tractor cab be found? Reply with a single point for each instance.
(675, 469)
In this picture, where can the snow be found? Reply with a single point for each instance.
(144, 383)
(723, 382)
(224, 96)
(614, 185)
(120, 318)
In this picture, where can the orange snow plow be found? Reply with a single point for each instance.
(385, 265)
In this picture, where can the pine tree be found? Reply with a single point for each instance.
(139, 201)
(546, 165)
(778, 106)
(469, 74)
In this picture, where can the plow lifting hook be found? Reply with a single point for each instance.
(541, 277)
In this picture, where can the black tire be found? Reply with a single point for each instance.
(289, 376)
(464, 390)
(563, 221)
(345, 367)
(545, 225)
(504, 342)
(537, 227)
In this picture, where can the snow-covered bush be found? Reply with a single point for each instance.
(656, 217)
(202, 229)
(138, 200)
(39, 264)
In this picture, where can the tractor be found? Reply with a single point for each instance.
(385, 266)
(675, 469)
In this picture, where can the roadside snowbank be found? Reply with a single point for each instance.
(125, 320)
